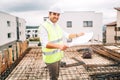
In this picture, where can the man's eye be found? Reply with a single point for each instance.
(56, 14)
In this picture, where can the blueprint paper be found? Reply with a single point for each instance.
(82, 39)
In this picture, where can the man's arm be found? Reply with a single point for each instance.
(72, 35)
(44, 40)
(56, 46)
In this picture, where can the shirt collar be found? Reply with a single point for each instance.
(51, 22)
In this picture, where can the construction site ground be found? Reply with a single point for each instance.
(99, 67)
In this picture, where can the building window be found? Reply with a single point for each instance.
(117, 28)
(20, 33)
(9, 35)
(88, 23)
(8, 23)
(33, 36)
(10, 46)
(27, 36)
(36, 31)
(19, 24)
(117, 37)
(69, 24)
(36, 35)
(45, 18)
(28, 31)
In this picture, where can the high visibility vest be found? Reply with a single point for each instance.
(52, 55)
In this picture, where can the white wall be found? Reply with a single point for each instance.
(77, 18)
(5, 29)
(22, 28)
(110, 33)
(118, 18)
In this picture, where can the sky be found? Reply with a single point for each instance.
(30, 10)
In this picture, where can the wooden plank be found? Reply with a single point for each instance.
(0, 62)
(18, 49)
(10, 56)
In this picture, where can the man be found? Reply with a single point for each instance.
(51, 36)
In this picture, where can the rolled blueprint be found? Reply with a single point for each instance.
(82, 39)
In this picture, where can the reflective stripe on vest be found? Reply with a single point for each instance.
(55, 51)
(49, 53)
(56, 41)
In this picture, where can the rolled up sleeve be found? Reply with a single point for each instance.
(43, 36)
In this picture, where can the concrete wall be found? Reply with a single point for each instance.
(22, 27)
(77, 18)
(118, 24)
(118, 18)
(5, 29)
(110, 33)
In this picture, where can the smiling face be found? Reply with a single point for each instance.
(54, 17)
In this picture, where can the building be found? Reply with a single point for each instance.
(113, 30)
(75, 22)
(31, 31)
(83, 21)
(12, 30)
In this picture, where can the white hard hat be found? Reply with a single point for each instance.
(55, 9)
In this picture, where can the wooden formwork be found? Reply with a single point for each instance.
(114, 52)
(10, 58)
(14, 52)
(0, 62)
(107, 52)
(18, 48)
(6, 56)
(21, 47)
(5, 61)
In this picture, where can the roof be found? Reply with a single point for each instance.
(112, 24)
(117, 8)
